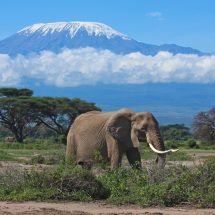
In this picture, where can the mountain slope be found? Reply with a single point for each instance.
(56, 36)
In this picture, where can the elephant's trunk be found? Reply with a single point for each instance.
(156, 143)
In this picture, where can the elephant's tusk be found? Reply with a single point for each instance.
(174, 150)
(161, 152)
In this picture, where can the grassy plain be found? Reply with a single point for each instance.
(37, 171)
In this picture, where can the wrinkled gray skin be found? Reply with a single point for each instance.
(112, 134)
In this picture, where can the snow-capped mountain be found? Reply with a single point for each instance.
(56, 36)
(71, 29)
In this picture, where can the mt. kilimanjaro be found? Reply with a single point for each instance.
(72, 35)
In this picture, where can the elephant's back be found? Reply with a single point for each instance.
(92, 118)
(91, 126)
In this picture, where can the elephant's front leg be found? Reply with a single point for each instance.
(134, 158)
(115, 154)
(114, 151)
(116, 158)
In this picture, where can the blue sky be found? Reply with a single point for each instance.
(183, 22)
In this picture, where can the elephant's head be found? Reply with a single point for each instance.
(130, 127)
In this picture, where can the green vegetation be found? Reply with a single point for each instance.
(4, 155)
(47, 151)
(23, 114)
(180, 136)
(50, 184)
(189, 144)
(40, 126)
(37, 151)
(177, 132)
(14, 92)
(58, 114)
(170, 187)
(34, 144)
(148, 187)
(56, 180)
(179, 156)
(148, 154)
(50, 159)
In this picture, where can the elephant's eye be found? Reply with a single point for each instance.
(144, 127)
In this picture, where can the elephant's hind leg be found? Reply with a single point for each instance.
(134, 158)
(71, 147)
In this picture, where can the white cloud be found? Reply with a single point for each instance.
(8, 76)
(154, 14)
(89, 66)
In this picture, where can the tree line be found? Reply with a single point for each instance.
(23, 114)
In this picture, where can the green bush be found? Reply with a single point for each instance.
(178, 132)
(203, 184)
(192, 144)
(169, 187)
(148, 187)
(50, 184)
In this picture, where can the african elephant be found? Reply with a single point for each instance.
(112, 134)
(9, 139)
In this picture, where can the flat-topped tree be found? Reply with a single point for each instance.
(58, 114)
(22, 113)
(19, 115)
(14, 92)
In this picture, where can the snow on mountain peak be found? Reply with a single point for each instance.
(74, 35)
(92, 28)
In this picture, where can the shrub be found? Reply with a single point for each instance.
(148, 187)
(175, 132)
(60, 183)
(192, 144)
(169, 187)
(203, 184)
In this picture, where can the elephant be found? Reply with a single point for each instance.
(113, 134)
(9, 139)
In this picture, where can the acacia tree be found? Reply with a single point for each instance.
(14, 92)
(19, 115)
(22, 114)
(204, 125)
(58, 114)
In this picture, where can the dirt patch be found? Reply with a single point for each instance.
(97, 208)
(4, 165)
(201, 154)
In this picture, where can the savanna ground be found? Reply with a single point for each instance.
(34, 179)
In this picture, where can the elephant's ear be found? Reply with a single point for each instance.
(119, 127)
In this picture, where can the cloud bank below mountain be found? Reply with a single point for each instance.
(88, 66)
